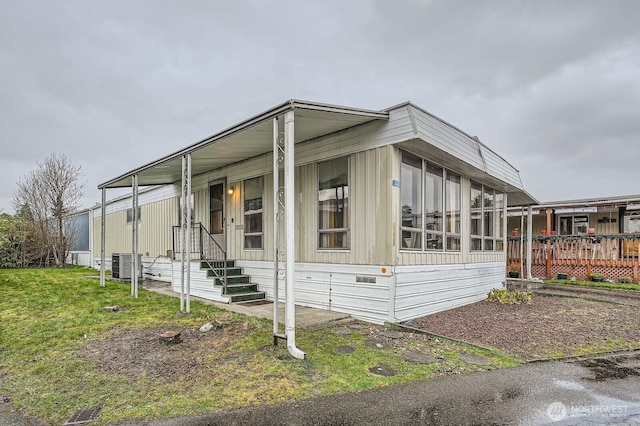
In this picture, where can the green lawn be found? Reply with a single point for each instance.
(594, 284)
(50, 319)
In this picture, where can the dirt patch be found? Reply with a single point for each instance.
(548, 326)
(134, 353)
(611, 368)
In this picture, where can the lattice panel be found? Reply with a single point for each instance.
(580, 271)
(614, 272)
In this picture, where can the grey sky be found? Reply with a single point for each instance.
(552, 86)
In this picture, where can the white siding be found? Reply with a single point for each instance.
(427, 289)
(155, 228)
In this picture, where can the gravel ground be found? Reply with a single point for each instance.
(546, 327)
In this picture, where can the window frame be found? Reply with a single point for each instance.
(347, 217)
(443, 234)
(260, 211)
(492, 237)
(130, 215)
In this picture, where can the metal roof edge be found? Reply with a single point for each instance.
(275, 111)
(270, 113)
(619, 199)
(319, 106)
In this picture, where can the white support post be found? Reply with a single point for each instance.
(189, 236)
(529, 239)
(134, 237)
(522, 241)
(276, 227)
(103, 211)
(289, 220)
(183, 233)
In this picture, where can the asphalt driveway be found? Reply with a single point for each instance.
(595, 391)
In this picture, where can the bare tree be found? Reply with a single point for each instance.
(48, 196)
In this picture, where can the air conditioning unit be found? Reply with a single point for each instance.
(121, 266)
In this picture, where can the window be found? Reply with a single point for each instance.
(476, 216)
(411, 178)
(574, 225)
(253, 189)
(487, 218)
(430, 199)
(433, 207)
(453, 203)
(333, 204)
(130, 215)
(632, 222)
(500, 204)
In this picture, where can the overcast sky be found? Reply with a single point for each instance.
(552, 86)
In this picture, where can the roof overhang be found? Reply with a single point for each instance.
(516, 196)
(248, 139)
(631, 201)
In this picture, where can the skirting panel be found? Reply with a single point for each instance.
(426, 289)
(359, 290)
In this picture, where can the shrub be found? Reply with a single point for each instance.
(505, 296)
(626, 280)
(597, 276)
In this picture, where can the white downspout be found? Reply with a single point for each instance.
(289, 184)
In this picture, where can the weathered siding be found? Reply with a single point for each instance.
(155, 229)
(497, 167)
(370, 219)
(453, 142)
(447, 138)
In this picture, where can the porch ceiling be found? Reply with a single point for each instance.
(248, 139)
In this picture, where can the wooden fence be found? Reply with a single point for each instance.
(578, 256)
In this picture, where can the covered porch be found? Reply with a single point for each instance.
(269, 138)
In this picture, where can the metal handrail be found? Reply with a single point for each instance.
(213, 252)
(207, 248)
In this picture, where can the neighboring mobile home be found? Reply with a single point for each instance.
(390, 215)
(578, 237)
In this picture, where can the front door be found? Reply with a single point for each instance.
(216, 212)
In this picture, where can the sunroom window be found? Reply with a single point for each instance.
(487, 218)
(430, 200)
(333, 204)
(411, 178)
(253, 189)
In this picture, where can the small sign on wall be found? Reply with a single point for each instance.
(395, 183)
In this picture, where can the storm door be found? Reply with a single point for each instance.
(216, 212)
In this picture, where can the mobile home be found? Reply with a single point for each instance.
(386, 215)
